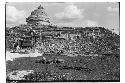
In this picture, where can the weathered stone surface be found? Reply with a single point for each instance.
(18, 75)
(38, 16)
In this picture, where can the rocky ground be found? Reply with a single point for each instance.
(51, 67)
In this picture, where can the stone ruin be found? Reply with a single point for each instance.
(41, 35)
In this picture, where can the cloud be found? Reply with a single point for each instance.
(14, 15)
(70, 12)
(112, 9)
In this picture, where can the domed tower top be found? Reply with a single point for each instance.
(40, 7)
(38, 16)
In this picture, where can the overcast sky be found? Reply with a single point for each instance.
(105, 14)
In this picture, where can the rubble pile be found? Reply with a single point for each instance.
(39, 34)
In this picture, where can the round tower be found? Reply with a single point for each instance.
(38, 16)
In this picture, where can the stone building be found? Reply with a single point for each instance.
(38, 17)
(40, 33)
